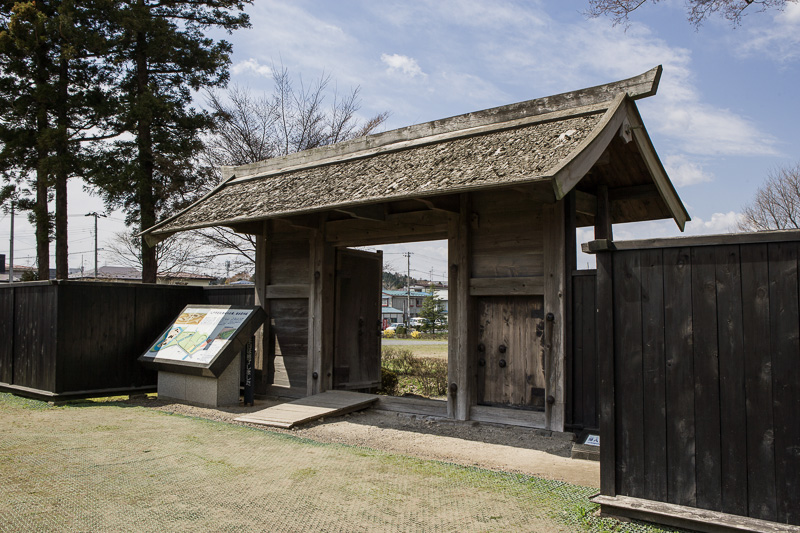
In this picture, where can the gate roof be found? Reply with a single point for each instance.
(574, 140)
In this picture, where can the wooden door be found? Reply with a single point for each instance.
(510, 351)
(357, 342)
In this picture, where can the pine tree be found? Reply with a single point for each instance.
(163, 55)
(432, 311)
(52, 104)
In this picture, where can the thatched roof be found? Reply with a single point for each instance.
(543, 139)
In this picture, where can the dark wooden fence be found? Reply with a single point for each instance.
(582, 392)
(700, 373)
(73, 338)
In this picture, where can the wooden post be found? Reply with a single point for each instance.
(553, 222)
(460, 367)
(327, 325)
(264, 369)
(602, 221)
(315, 313)
(605, 356)
(571, 263)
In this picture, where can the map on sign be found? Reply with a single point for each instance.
(198, 334)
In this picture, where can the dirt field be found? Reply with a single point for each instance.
(126, 467)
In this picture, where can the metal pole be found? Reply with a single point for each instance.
(11, 248)
(95, 215)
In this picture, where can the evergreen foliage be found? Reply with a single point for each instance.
(432, 311)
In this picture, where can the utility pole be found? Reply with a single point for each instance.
(11, 248)
(95, 214)
(408, 289)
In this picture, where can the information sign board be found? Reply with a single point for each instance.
(203, 339)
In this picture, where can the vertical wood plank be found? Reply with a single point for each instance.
(602, 222)
(654, 375)
(263, 364)
(733, 432)
(706, 379)
(591, 411)
(785, 345)
(578, 360)
(555, 302)
(678, 322)
(628, 375)
(761, 498)
(460, 364)
(605, 367)
(570, 264)
(7, 333)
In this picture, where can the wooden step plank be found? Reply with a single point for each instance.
(303, 410)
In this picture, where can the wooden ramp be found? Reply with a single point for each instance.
(329, 403)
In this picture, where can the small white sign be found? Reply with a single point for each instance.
(593, 440)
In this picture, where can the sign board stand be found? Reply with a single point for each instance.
(199, 356)
(201, 390)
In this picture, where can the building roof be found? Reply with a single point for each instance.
(391, 311)
(414, 294)
(557, 139)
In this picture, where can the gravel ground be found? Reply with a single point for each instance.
(502, 448)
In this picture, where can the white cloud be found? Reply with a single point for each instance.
(719, 223)
(683, 171)
(778, 40)
(251, 65)
(403, 64)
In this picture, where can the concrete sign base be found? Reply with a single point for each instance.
(199, 390)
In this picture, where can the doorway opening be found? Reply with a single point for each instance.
(413, 324)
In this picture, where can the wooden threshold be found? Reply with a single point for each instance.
(684, 517)
(310, 408)
(508, 417)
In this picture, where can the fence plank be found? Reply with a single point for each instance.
(706, 379)
(7, 334)
(786, 376)
(654, 373)
(605, 368)
(733, 434)
(681, 485)
(628, 375)
(758, 382)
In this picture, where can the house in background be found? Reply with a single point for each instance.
(134, 275)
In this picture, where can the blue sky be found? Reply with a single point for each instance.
(726, 111)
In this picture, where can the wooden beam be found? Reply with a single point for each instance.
(275, 292)
(365, 212)
(450, 203)
(520, 286)
(633, 192)
(583, 157)
(553, 218)
(310, 221)
(460, 367)
(585, 203)
(249, 228)
(656, 169)
(328, 280)
(418, 225)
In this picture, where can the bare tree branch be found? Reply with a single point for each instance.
(697, 11)
(776, 204)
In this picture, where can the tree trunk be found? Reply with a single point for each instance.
(62, 172)
(144, 141)
(40, 213)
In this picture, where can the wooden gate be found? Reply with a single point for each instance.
(357, 351)
(510, 352)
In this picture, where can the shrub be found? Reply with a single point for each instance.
(388, 333)
(400, 330)
(416, 334)
(389, 381)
